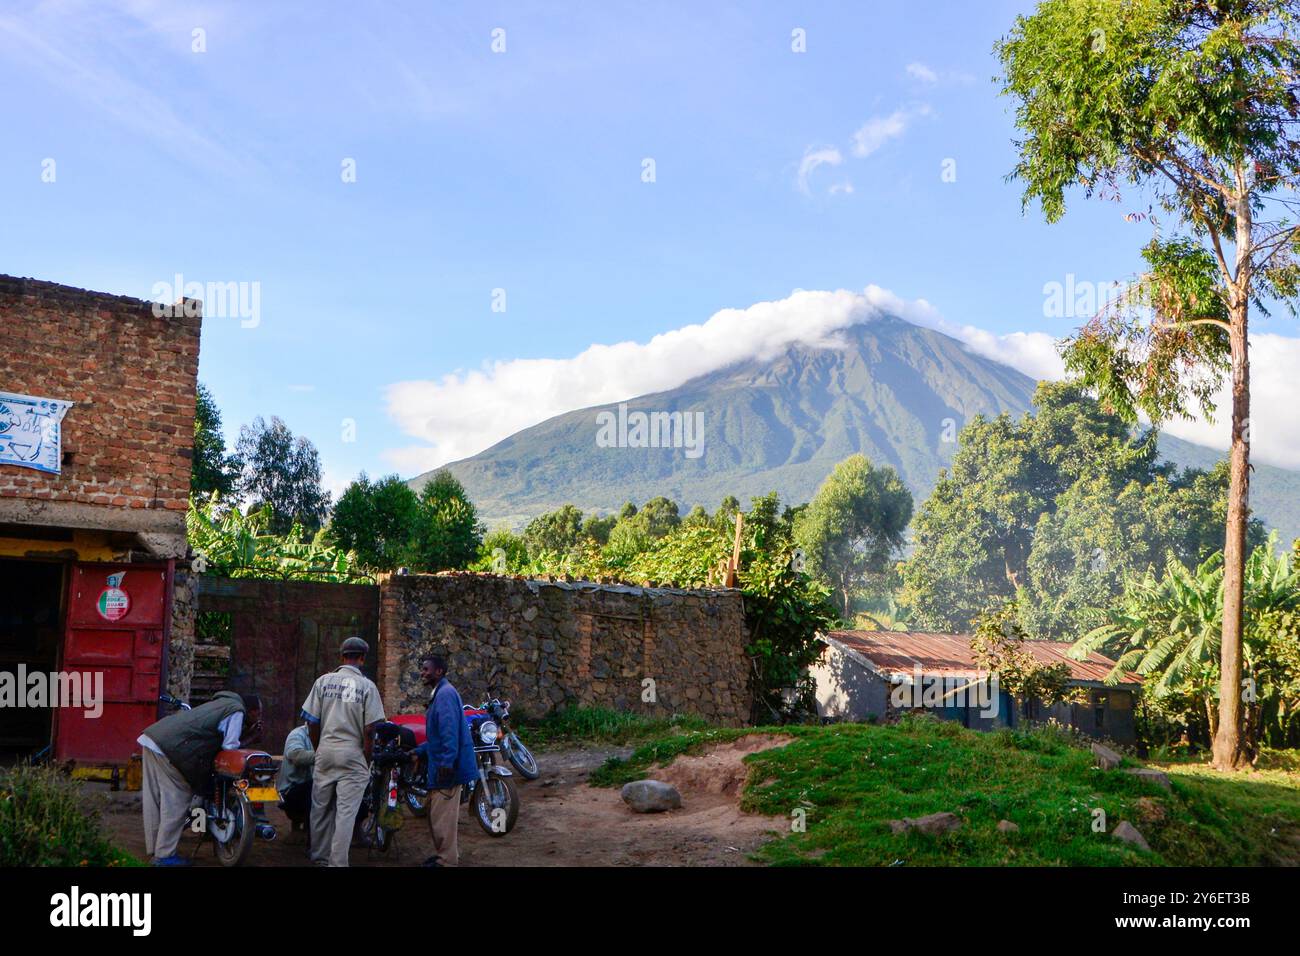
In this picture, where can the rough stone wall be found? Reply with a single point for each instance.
(180, 646)
(127, 442)
(544, 644)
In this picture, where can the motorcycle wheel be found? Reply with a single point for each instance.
(499, 793)
(234, 850)
(520, 757)
(374, 835)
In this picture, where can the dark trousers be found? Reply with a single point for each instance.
(296, 803)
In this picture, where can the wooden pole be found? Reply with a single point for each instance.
(734, 566)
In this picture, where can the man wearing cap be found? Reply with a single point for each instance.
(177, 754)
(341, 713)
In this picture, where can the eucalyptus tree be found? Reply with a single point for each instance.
(1193, 106)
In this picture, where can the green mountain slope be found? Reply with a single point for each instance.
(894, 391)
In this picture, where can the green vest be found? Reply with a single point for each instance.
(190, 739)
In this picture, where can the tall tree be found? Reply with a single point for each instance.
(211, 468)
(284, 472)
(853, 526)
(448, 534)
(1194, 104)
(376, 521)
(557, 532)
(1051, 510)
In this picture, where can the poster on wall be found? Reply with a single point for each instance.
(31, 431)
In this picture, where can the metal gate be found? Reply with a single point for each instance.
(281, 636)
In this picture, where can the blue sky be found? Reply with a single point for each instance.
(522, 171)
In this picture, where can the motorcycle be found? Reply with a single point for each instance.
(493, 798)
(230, 811)
(520, 757)
(395, 780)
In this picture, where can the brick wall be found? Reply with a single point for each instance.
(552, 643)
(127, 442)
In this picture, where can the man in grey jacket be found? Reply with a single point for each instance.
(176, 756)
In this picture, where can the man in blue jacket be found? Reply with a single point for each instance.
(450, 753)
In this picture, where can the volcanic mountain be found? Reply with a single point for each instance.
(894, 391)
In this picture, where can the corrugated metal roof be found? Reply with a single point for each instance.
(901, 652)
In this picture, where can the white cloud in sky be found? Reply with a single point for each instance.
(465, 412)
(919, 71)
(879, 130)
(812, 158)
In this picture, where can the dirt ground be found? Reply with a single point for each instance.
(562, 821)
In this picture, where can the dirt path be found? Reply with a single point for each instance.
(562, 821)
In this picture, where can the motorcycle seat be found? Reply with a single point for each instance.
(235, 762)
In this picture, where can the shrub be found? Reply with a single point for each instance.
(43, 822)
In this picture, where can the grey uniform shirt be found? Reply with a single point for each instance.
(343, 702)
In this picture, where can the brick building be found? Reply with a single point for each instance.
(92, 506)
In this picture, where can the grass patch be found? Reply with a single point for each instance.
(45, 821)
(851, 779)
(578, 725)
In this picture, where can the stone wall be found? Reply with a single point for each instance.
(656, 651)
(180, 644)
(127, 442)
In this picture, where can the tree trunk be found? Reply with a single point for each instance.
(1227, 752)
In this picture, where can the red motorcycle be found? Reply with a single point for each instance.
(231, 812)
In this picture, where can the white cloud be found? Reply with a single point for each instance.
(812, 158)
(467, 411)
(879, 130)
(919, 71)
(844, 188)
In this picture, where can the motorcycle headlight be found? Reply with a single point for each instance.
(487, 732)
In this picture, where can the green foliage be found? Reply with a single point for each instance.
(998, 648)
(282, 473)
(502, 552)
(556, 531)
(853, 526)
(1167, 627)
(572, 725)
(238, 545)
(45, 821)
(1053, 510)
(211, 469)
(376, 521)
(785, 610)
(448, 533)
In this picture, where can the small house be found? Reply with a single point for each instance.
(865, 675)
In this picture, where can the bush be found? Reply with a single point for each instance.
(43, 822)
(603, 725)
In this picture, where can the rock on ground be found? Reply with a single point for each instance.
(1107, 759)
(1158, 777)
(1006, 826)
(932, 824)
(651, 796)
(1129, 834)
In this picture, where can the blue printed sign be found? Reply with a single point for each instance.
(31, 433)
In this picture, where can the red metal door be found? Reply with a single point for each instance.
(117, 627)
